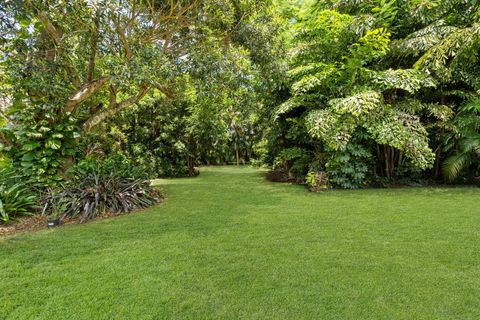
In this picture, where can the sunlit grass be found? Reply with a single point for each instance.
(230, 245)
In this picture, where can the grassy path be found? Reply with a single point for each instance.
(230, 245)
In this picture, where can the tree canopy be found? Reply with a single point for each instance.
(361, 92)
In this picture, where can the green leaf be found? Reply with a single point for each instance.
(30, 146)
(53, 144)
(28, 157)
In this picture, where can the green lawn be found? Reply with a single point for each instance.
(230, 245)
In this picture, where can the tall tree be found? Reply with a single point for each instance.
(356, 83)
(95, 58)
(71, 65)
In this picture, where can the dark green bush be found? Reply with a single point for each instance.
(98, 193)
(117, 164)
(94, 188)
(295, 160)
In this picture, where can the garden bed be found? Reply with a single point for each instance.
(39, 222)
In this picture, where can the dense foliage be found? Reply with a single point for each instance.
(70, 66)
(166, 85)
(382, 91)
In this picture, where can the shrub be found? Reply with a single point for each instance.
(117, 164)
(348, 168)
(317, 181)
(16, 199)
(97, 188)
(295, 160)
(39, 146)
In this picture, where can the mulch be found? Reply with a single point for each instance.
(39, 222)
(24, 224)
(280, 175)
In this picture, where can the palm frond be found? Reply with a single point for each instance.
(453, 166)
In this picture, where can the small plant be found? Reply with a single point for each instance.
(55, 206)
(317, 181)
(95, 188)
(16, 199)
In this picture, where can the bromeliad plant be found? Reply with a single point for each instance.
(94, 190)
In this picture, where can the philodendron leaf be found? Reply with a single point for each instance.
(54, 144)
(28, 157)
(30, 146)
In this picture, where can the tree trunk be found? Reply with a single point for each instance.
(387, 159)
(237, 155)
(85, 92)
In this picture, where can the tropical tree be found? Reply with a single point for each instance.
(378, 82)
(216, 119)
(345, 99)
(463, 144)
(71, 65)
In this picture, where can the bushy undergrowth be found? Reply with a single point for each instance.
(117, 165)
(97, 187)
(89, 188)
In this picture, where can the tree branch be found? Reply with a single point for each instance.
(164, 89)
(50, 28)
(56, 37)
(85, 92)
(93, 52)
(123, 38)
(114, 107)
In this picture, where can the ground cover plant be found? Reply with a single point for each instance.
(16, 199)
(229, 244)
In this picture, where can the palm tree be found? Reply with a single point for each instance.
(464, 145)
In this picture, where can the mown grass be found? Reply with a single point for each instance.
(230, 245)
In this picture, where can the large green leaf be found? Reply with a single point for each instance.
(54, 144)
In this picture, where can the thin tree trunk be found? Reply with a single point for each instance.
(378, 162)
(387, 164)
(438, 156)
(392, 161)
